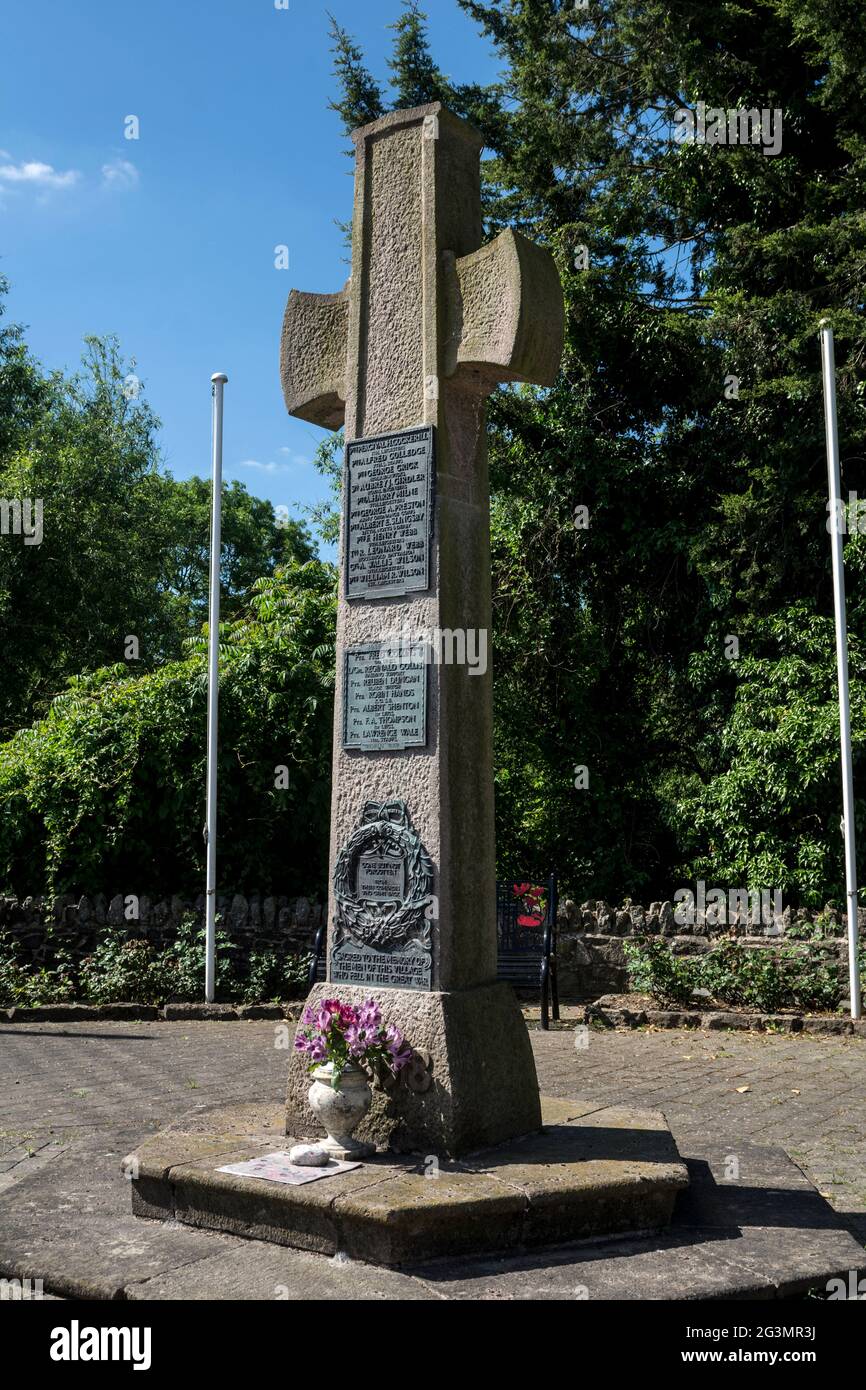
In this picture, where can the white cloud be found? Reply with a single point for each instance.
(120, 174)
(293, 461)
(299, 460)
(37, 175)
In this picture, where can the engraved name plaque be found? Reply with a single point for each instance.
(384, 701)
(389, 511)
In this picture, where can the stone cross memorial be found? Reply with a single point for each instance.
(404, 356)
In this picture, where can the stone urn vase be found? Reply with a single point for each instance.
(340, 1109)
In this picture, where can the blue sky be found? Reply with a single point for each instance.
(168, 240)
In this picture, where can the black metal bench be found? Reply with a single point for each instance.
(526, 942)
(525, 954)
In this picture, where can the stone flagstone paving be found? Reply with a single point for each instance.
(67, 1084)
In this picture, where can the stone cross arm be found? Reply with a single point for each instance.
(500, 308)
(313, 356)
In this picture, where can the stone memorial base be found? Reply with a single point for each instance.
(587, 1173)
(474, 1083)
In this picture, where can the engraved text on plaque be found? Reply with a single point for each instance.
(389, 515)
(384, 702)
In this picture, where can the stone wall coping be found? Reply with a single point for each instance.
(609, 1012)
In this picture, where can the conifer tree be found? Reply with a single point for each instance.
(360, 99)
(415, 78)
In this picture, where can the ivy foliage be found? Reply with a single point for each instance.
(786, 977)
(106, 793)
(125, 969)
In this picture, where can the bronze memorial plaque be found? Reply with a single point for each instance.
(384, 697)
(389, 513)
(380, 878)
(382, 932)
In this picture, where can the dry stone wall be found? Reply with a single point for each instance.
(591, 959)
(591, 935)
(264, 922)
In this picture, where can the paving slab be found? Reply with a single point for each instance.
(84, 1177)
(769, 1190)
(666, 1266)
(623, 1176)
(253, 1271)
(411, 1214)
(769, 1236)
(96, 1256)
(305, 1217)
(69, 1224)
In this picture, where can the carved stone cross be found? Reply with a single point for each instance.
(428, 324)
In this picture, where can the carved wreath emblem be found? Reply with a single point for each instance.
(385, 829)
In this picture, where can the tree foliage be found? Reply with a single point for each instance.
(124, 546)
(673, 639)
(360, 99)
(687, 419)
(415, 79)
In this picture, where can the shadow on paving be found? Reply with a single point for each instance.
(597, 1142)
(709, 1202)
(775, 1238)
(44, 1033)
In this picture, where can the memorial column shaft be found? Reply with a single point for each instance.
(417, 206)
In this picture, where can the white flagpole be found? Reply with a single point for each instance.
(219, 380)
(828, 362)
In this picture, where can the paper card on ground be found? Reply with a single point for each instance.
(277, 1167)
